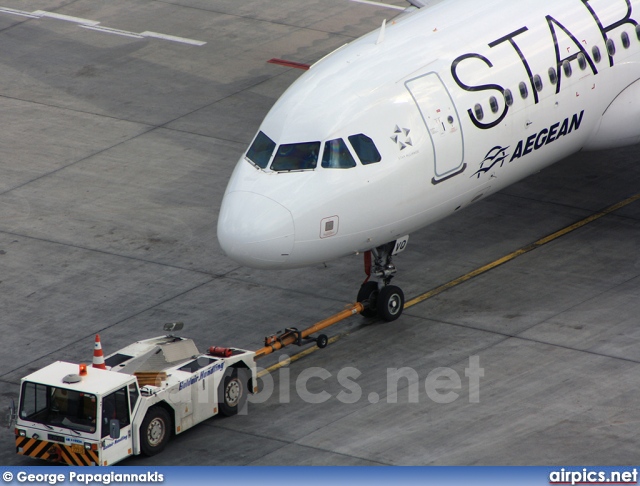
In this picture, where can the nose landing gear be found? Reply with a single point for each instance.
(380, 298)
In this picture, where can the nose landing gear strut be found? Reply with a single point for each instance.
(380, 298)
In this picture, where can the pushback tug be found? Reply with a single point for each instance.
(134, 400)
(130, 403)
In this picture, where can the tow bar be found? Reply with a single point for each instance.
(292, 335)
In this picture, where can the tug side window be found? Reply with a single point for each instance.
(134, 394)
(115, 406)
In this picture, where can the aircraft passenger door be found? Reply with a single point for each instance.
(443, 124)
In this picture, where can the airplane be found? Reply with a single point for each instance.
(437, 109)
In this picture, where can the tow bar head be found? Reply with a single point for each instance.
(292, 332)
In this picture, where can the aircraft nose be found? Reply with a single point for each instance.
(254, 230)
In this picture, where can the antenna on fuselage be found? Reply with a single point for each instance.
(382, 30)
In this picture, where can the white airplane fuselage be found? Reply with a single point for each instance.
(461, 99)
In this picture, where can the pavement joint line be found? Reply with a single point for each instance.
(286, 442)
(75, 162)
(479, 271)
(568, 348)
(111, 254)
(152, 127)
(75, 110)
(519, 336)
(226, 97)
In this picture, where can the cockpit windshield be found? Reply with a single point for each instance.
(336, 155)
(53, 406)
(304, 155)
(296, 156)
(260, 151)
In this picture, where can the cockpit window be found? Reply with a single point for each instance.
(296, 156)
(365, 148)
(336, 155)
(261, 149)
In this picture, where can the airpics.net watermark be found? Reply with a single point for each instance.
(441, 385)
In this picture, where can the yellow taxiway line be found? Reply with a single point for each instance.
(521, 251)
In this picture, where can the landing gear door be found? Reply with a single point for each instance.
(443, 124)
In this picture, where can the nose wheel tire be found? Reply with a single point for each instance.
(390, 303)
(369, 292)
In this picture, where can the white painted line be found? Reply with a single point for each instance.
(109, 30)
(18, 12)
(379, 4)
(173, 38)
(94, 25)
(68, 18)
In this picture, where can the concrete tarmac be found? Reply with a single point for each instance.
(115, 150)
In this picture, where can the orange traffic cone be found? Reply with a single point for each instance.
(98, 357)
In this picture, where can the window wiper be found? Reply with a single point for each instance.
(67, 426)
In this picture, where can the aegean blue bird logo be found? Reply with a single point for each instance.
(497, 155)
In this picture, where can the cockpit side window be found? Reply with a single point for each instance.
(296, 156)
(336, 155)
(365, 148)
(261, 149)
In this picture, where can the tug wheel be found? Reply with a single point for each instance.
(155, 431)
(231, 393)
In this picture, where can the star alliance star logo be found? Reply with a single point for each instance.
(401, 137)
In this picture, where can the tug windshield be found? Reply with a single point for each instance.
(59, 407)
